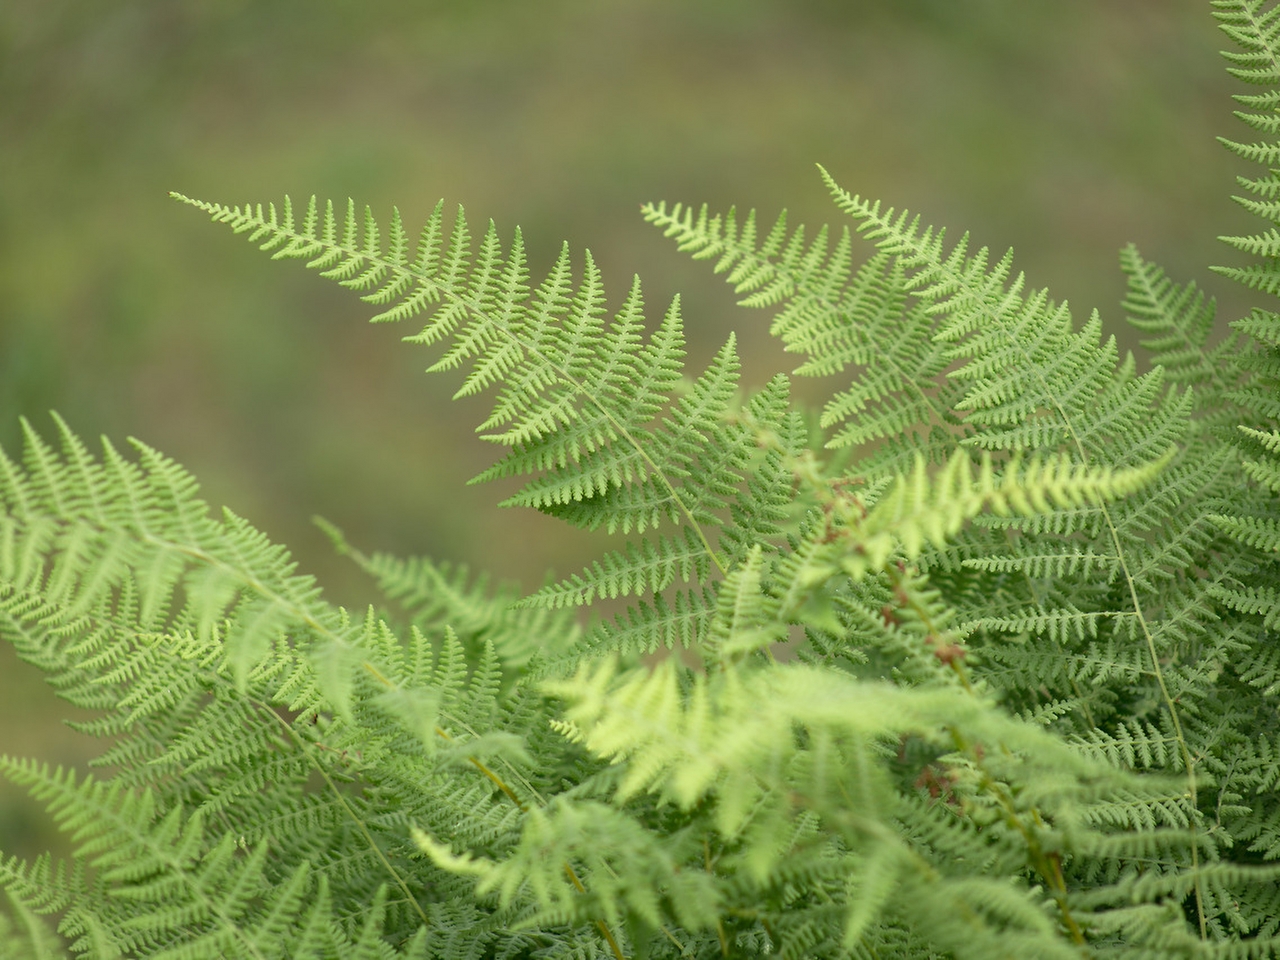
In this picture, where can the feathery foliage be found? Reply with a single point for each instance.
(997, 679)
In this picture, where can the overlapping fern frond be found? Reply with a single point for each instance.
(227, 686)
(1008, 372)
(598, 420)
(1032, 601)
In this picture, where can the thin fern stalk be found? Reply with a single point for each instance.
(1177, 723)
(445, 735)
(600, 924)
(950, 653)
(355, 819)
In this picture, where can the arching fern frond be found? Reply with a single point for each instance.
(600, 424)
(577, 398)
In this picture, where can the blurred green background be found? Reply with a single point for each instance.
(1064, 128)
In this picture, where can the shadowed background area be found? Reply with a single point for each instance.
(1062, 129)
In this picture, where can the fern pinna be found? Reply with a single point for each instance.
(1030, 606)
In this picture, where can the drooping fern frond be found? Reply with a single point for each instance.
(917, 510)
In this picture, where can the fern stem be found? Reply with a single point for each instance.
(1047, 865)
(684, 951)
(600, 924)
(1122, 559)
(360, 824)
(1187, 760)
(497, 780)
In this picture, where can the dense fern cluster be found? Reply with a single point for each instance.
(1028, 596)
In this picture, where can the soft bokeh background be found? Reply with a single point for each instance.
(1064, 128)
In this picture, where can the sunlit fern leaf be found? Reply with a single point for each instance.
(919, 509)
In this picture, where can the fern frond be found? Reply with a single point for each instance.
(1177, 321)
(840, 318)
(577, 399)
(731, 737)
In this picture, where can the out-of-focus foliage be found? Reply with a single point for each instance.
(560, 115)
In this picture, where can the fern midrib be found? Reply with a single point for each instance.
(1044, 863)
(1122, 559)
(342, 801)
(1259, 33)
